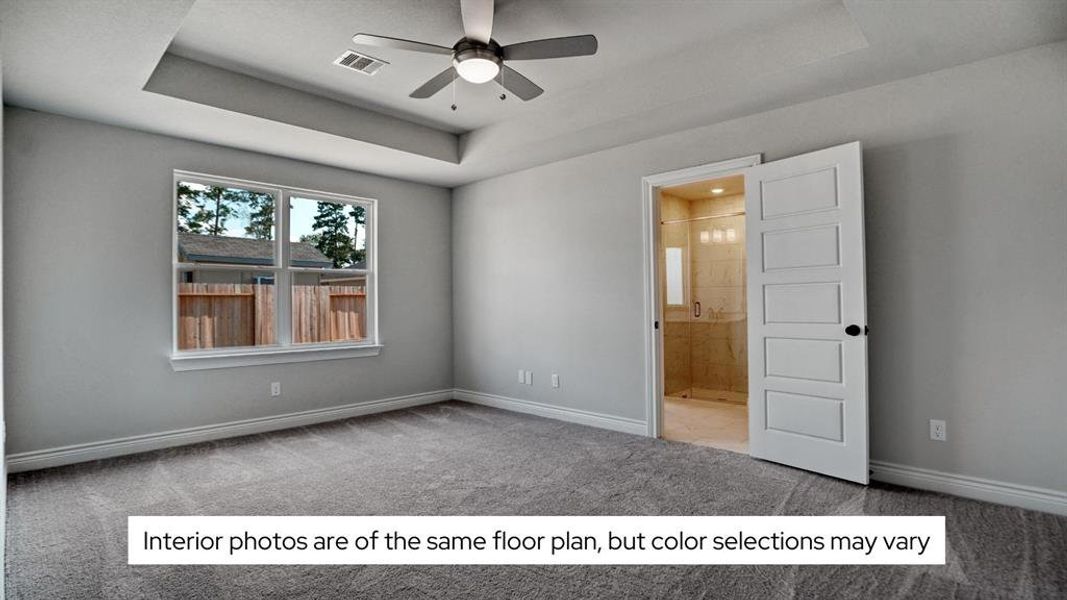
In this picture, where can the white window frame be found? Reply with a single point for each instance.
(284, 351)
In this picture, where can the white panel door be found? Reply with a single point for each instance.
(807, 312)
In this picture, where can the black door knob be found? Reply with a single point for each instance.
(853, 330)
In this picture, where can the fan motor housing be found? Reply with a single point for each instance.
(466, 49)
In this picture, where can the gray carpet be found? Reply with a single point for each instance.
(66, 526)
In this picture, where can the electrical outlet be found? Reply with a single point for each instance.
(522, 376)
(938, 430)
(275, 388)
(555, 380)
(529, 377)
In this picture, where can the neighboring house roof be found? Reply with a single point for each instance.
(194, 247)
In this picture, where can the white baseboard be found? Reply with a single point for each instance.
(998, 492)
(65, 455)
(1033, 498)
(571, 415)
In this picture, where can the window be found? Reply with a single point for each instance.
(675, 283)
(270, 274)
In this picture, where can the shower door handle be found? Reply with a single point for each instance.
(696, 309)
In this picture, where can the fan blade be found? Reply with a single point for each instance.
(436, 84)
(477, 19)
(576, 45)
(517, 84)
(381, 41)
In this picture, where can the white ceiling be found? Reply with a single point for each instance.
(310, 35)
(700, 190)
(662, 67)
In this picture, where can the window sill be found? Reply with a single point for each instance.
(196, 361)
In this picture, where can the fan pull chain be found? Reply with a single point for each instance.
(503, 96)
(454, 94)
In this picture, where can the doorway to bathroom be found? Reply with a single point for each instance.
(704, 307)
(755, 300)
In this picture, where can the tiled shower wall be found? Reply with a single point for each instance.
(719, 336)
(706, 356)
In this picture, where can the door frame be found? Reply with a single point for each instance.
(653, 308)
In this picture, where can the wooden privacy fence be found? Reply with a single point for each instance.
(218, 315)
(328, 313)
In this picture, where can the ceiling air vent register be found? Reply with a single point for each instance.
(368, 65)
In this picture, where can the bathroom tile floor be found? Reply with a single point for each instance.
(722, 425)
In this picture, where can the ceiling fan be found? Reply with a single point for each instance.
(478, 58)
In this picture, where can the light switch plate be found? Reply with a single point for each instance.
(529, 377)
(522, 376)
(555, 380)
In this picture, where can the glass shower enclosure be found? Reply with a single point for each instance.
(705, 333)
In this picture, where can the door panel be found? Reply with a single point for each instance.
(814, 360)
(811, 416)
(801, 248)
(806, 283)
(802, 303)
(801, 193)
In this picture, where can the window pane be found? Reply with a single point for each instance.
(222, 309)
(327, 235)
(329, 308)
(675, 283)
(224, 225)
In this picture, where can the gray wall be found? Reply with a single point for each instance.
(966, 220)
(3, 424)
(87, 300)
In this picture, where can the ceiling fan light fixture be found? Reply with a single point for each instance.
(477, 63)
(477, 70)
(478, 58)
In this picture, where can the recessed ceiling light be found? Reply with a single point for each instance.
(717, 190)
